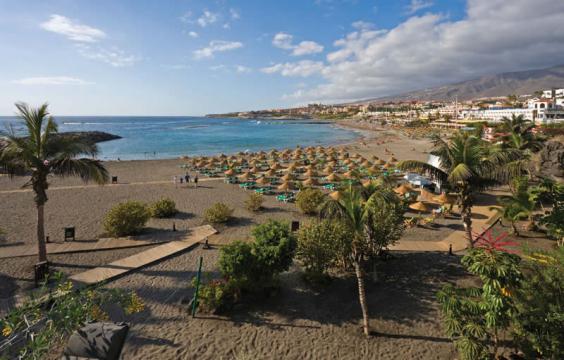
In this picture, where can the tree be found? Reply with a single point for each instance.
(362, 215)
(473, 316)
(519, 205)
(467, 165)
(45, 152)
(517, 134)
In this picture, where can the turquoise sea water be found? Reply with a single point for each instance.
(170, 137)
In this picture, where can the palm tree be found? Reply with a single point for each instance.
(467, 165)
(519, 135)
(44, 152)
(356, 212)
(519, 205)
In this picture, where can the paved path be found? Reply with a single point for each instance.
(457, 239)
(70, 187)
(77, 246)
(136, 261)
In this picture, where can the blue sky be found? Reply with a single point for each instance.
(157, 57)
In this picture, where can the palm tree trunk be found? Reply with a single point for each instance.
(362, 295)
(467, 219)
(42, 250)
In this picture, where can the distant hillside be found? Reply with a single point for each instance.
(519, 83)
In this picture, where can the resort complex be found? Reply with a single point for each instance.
(373, 180)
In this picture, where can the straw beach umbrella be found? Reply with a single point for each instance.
(333, 177)
(270, 173)
(419, 206)
(311, 173)
(245, 176)
(403, 189)
(310, 182)
(288, 177)
(335, 195)
(263, 181)
(444, 199)
(380, 162)
(286, 186)
(229, 172)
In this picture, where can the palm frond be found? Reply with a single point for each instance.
(86, 169)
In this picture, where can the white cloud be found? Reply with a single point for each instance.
(186, 17)
(193, 34)
(114, 57)
(72, 30)
(307, 47)
(51, 80)
(302, 68)
(207, 18)
(216, 46)
(431, 50)
(235, 15)
(284, 41)
(417, 5)
(242, 69)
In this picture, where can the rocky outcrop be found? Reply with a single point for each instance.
(550, 161)
(90, 136)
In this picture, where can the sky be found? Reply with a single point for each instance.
(193, 57)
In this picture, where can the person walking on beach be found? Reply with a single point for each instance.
(187, 178)
(181, 180)
(196, 181)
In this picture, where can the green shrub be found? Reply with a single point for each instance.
(126, 218)
(255, 266)
(309, 200)
(539, 304)
(219, 213)
(322, 245)
(215, 296)
(254, 202)
(164, 208)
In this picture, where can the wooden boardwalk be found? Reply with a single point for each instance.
(122, 266)
(77, 246)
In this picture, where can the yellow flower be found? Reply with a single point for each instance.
(98, 314)
(505, 292)
(135, 304)
(7, 331)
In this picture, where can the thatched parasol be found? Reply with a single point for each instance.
(333, 177)
(276, 166)
(335, 195)
(393, 159)
(263, 181)
(367, 182)
(288, 177)
(245, 176)
(403, 189)
(380, 162)
(229, 172)
(419, 206)
(285, 186)
(270, 173)
(350, 174)
(444, 199)
(311, 173)
(310, 182)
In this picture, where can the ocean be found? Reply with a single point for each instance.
(170, 137)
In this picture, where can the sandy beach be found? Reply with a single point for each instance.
(300, 323)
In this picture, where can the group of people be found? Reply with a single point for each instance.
(184, 179)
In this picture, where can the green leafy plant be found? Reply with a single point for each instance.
(163, 208)
(215, 295)
(218, 213)
(475, 316)
(322, 245)
(539, 305)
(254, 202)
(127, 218)
(45, 152)
(519, 205)
(362, 217)
(53, 314)
(255, 266)
(309, 200)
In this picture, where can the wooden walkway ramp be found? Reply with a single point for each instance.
(78, 246)
(122, 266)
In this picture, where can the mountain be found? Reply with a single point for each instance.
(519, 83)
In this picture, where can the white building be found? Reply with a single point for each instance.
(495, 115)
(548, 93)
